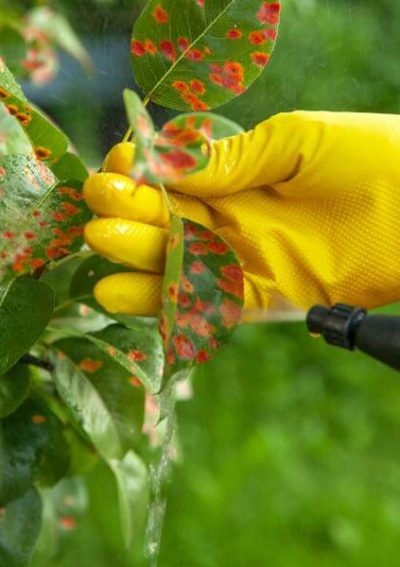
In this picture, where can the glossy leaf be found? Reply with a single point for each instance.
(70, 166)
(137, 349)
(40, 219)
(103, 397)
(14, 387)
(20, 522)
(166, 156)
(26, 306)
(199, 54)
(13, 139)
(202, 295)
(33, 449)
(133, 493)
(36, 126)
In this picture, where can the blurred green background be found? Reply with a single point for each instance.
(290, 449)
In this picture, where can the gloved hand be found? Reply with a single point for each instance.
(310, 202)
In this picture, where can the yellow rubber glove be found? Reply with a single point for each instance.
(310, 201)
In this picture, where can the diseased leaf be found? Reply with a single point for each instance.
(14, 387)
(36, 126)
(165, 156)
(134, 495)
(202, 295)
(199, 54)
(33, 449)
(20, 522)
(26, 306)
(40, 219)
(13, 139)
(103, 397)
(138, 350)
(212, 126)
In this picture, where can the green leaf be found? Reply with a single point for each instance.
(8, 84)
(13, 139)
(26, 306)
(20, 522)
(198, 54)
(70, 166)
(137, 349)
(12, 47)
(36, 126)
(166, 156)
(202, 295)
(41, 219)
(33, 449)
(133, 493)
(102, 396)
(59, 31)
(63, 507)
(14, 387)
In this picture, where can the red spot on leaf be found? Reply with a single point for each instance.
(160, 15)
(70, 209)
(194, 55)
(231, 313)
(135, 382)
(197, 86)
(59, 217)
(186, 284)
(197, 268)
(203, 356)
(218, 247)
(90, 365)
(184, 347)
(260, 58)
(269, 13)
(198, 249)
(179, 160)
(137, 48)
(36, 263)
(270, 34)
(184, 300)
(257, 37)
(232, 272)
(201, 3)
(233, 287)
(150, 47)
(36, 214)
(183, 43)
(172, 292)
(68, 522)
(167, 48)
(137, 356)
(234, 33)
(8, 234)
(38, 419)
(180, 86)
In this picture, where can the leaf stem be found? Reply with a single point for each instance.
(128, 134)
(166, 198)
(34, 361)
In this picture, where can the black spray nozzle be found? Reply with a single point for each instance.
(352, 328)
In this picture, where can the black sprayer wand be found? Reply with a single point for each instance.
(353, 329)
